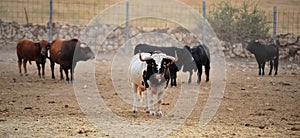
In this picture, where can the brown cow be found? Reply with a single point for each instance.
(28, 50)
(62, 52)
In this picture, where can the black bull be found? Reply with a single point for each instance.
(185, 59)
(201, 57)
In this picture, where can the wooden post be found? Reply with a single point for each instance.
(26, 16)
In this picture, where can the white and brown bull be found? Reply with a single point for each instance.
(150, 72)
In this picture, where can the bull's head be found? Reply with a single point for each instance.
(43, 46)
(252, 44)
(84, 52)
(158, 64)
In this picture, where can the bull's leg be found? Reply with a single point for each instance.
(151, 100)
(72, 77)
(61, 73)
(263, 68)
(43, 70)
(20, 64)
(271, 67)
(276, 66)
(147, 101)
(259, 69)
(172, 81)
(135, 96)
(199, 74)
(39, 68)
(159, 98)
(190, 77)
(52, 68)
(67, 76)
(24, 66)
(174, 78)
(207, 68)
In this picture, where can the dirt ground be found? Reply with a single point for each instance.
(252, 106)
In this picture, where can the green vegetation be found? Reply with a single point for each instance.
(237, 23)
(284, 83)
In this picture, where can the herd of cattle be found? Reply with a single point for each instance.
(61, 52)
(150, 70)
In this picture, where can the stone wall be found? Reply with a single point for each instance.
(109, 38)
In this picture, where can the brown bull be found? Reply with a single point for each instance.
(28, 50)
(67, 53)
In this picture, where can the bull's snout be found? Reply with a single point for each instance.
(43, 53)
(158, 77)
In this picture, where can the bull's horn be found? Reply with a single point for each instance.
(176, 56)
(147, 58)
(83, 45)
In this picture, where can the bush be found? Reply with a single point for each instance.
(237, 23)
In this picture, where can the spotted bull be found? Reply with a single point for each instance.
(150, 72)
(185, 59)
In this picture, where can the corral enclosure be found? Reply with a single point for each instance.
(252, 106)
(81, 12)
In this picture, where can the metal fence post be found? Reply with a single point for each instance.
(203, 19)
(274, 23)
(50, 22)
(127, 28)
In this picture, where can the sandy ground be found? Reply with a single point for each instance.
(252, 106)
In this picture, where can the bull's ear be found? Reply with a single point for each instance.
(75, 40)
(167, 61)
(188, 48)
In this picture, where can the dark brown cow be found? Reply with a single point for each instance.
(62, 52)
(28, 50)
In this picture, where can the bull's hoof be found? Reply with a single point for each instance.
(151, 113)
(134, 111)
(26, 74)
(160, 114)
(147, 110)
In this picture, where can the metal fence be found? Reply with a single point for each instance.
(288, 20)
(81, 12)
